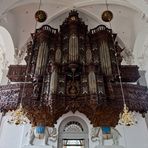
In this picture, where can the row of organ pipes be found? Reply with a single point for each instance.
(75, 69)
(50, 60)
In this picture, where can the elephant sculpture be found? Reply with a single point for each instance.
(104, 133)
(43, 133)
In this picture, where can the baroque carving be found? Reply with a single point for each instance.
(79, 72)
(9, 96)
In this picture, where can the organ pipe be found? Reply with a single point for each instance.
(41, 59)
(105, 59)
(92, 82)
(53, 80)
(73, 48)
(88, 56)
(58, 56)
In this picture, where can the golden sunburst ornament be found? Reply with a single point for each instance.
(127, 117)
(18, 117)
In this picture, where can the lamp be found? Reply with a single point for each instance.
(40, 15)
(18, 116)
(107, 15)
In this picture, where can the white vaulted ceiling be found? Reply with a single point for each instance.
(130, 18)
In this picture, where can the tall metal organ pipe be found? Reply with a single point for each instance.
(53, 80)
(105, 58)
(41, 59)
(73, 48)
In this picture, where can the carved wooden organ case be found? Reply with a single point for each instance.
(74, 69)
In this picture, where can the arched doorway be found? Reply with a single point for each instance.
(73, 133)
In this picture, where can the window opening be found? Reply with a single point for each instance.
(73, 143)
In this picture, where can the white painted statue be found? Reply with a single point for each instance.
(104, 133)
(43, 133)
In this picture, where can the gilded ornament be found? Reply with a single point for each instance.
(127, 117)
(40, 16)
(107, 16)
(18, 117)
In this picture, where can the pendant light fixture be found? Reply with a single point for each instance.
(40, 15)
(107, 15)
(18, 116)
(126, 117)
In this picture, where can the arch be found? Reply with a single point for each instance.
(73, 129)
(6, 52)
(69, 5)
(73, 120)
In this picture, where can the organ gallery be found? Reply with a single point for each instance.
(73, 69)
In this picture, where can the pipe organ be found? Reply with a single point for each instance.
(76, 69)
(73, 48)
(41, 59)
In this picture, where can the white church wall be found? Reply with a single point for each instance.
(15, 136)
(146, 118)
(141, 52)
(6, 54)
(9, 22)
(135, 136)
(10, 135)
